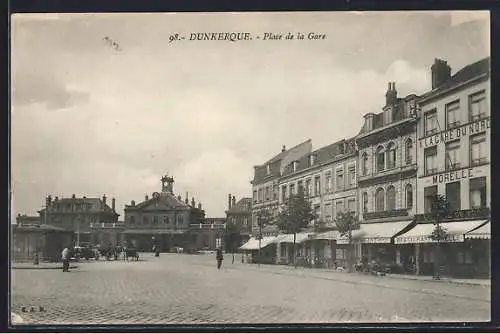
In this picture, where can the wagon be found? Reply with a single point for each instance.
(132, 252)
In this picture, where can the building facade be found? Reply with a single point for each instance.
(454, 161)
(240, 214)
(387, 177)
(265, 185)
(415, 148)
(327, 176)
(79, 215)
(163, 220)
(30, 238)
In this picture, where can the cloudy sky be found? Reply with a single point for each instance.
(89, 120)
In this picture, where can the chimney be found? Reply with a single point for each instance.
(391, 96)
(146, 197)
(186, 199)
(234, 201)
(104, 198)
(441, 72)
(132, 203)
(283, 149)
(48, 201)
(193, 204)
(229, 201)
(179, 198)
(73, 196)
(199, 206)
(113, 202)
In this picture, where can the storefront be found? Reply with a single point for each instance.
(45, 240)
(260, 250)
(375, 242)
(284, 248)
(465, 252)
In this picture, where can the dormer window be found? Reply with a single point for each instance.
(294, 166)
(268, 169)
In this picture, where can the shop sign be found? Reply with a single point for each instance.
(452, 176)
(457, 133)
(457, 215)
(426, 239)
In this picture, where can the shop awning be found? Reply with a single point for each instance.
(376, 233)
(482, 232)
(288, 238)
(330, 235)
(253, 243)
(456, 231)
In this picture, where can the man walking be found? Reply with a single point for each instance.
(219, 258)
(65, 259)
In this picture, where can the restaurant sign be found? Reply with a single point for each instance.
(456, 133)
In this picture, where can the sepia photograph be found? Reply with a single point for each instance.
(250, 168)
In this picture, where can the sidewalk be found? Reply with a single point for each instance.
(41, 265)
(465, 281)
(333, 272)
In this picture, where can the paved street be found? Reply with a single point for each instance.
(189, 289)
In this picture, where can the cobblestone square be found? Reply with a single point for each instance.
(189, 289)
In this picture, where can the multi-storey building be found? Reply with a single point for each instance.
(387, 174)
(265, 184)
(79, 215)
(240, 214)
(327, 176)
(453, 157)
(163, 220)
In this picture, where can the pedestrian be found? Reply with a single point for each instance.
(65, 259)
(219, 258)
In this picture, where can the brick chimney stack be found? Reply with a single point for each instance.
(283, 149)
(146, 197)
(113, 202)
(103, 198)
(234, 201)
(229, 201)
(391, 96)
(441, 72)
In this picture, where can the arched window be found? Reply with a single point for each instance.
(365, 202)
(364, 164)
(409, 151)
(379, 199)
(409, 196)
(380, 159)
(391, 156)
(391, 198)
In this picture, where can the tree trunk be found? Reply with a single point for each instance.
(437, 257)
(294, 250)
(350, 253)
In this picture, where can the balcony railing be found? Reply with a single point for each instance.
(385, 214)
(208, 226)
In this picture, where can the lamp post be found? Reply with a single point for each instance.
(259, 222)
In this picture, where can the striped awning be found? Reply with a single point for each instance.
(456, 232)
(253, 243)
(288, 238)
(376, 233)
(482, 232)
(330, 235)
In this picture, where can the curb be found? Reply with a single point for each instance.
(443, 280)
(15, 319)
(41, 268)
